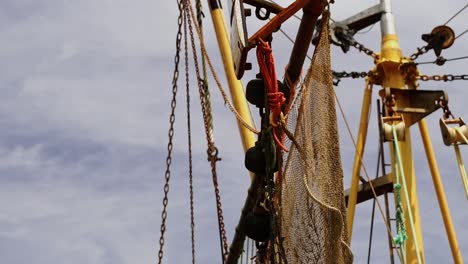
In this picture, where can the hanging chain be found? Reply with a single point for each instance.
(445, 77)
(443, 103)
(212, 150)
(167, 175)
(189, 140)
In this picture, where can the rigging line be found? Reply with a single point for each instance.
(366, 173)
(452, 59)
(384, 172)
(212, 150)
(461, 34)
(405, 189)
(189, 140)
(367, 31)
(215, 77)
(456, 14)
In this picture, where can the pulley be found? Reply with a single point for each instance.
(387, 130)
(453, 135)
(456, 136)
(255, 159)
(441, 37)
(255, 92)
(258, 225)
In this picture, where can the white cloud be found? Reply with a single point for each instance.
(85, 90)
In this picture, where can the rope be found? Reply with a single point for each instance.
(365, 171)
(212, 150)
(461, 166)
(276, 98)
(401, 236)
(215, 77)
(405, 189)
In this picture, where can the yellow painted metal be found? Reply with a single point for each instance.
(461, 166)
(235, 86)
(444, 209)
(413, 207)
(388, 67)
(361, 141)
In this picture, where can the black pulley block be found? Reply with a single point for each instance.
(258, 226)
(255, 159)
(255, 92)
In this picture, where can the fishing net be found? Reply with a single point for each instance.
(312, 201)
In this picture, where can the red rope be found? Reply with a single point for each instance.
(276, 98)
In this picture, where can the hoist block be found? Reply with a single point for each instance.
(258, 226)
(441, 37)
(255, 92)
(450, 134)
(387, 130)
(413, 105)
(255, 160)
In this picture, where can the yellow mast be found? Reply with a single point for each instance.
(387, 68)
(235, 86)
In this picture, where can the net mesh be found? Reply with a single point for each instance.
(312, 200)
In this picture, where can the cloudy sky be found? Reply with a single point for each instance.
(84, 111)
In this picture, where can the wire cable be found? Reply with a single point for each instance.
(434, 62)
(456, 14)
(461, 34)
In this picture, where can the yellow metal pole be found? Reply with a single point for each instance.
(361, 141)
(388, 65)
(235, 86)
(444, 209)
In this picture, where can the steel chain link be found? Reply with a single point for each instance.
(353, 74)
(363, 48)
(189, 141)
(212, 150)
(167, 174)
(420, 52)
(445, 77)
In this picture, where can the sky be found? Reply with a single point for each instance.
(86, 89)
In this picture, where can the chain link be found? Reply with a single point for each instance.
(443, 103)
(343, 74)
(189, 140)
(167, 174)
(212, 150)
(420, 52)
(363, 48)
(445, 77)
(354, 74)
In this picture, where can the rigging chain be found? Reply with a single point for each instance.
(422, 50)
(363, 48)
(212, 150)
(445, 77)
(422, 77)
(167, 174)
(189, 140)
